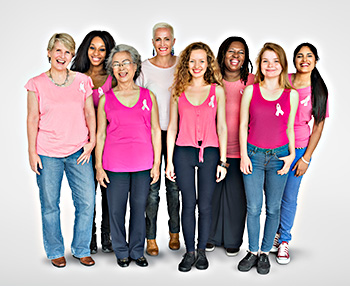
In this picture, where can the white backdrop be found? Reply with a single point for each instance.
(319, 251)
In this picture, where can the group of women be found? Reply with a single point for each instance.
(227, 138)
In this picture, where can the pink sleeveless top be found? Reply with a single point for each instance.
(98, 92)
(268, 120)
(197, 126)
(128, 145)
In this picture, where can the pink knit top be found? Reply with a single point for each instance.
(128, 145)
(268, 120)
(98, 92)
(197, 126)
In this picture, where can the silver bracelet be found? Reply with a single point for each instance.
(306, 162)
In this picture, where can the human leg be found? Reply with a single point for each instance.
(137, 226)
(49, 183)
(81, 181)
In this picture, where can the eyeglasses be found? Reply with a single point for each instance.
(125, 63)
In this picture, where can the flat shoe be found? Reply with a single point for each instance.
(142, 261)
(59, 262)
(86, 261)
(123, 262)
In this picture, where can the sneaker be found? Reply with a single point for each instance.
(232, 251)
(248, 262)
(106, 242)
(202, 261)
(210, 247)
(283, 253)
(263, 265)
(276, 244)
(186, 263)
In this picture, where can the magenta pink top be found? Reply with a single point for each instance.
(234, 91)
(303, 116)
(98, 92)
(268, 120)
(197, 126)
(128, 145)
(62, 127)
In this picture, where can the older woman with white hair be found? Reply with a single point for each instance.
(127, 152)
(157, 75)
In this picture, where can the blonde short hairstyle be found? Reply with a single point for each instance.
(163, 25)
(64, 39)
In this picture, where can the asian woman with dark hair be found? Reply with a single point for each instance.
(313, 103)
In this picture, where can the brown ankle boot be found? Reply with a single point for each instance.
(152, 247)
(174, 242)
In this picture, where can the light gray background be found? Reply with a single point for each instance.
(319, 250)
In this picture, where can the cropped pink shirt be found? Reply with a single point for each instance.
(98, 92)
(234, 91)
(268, 120)
(303, 116)
(128, 145)
(62, 127)
(197, 126)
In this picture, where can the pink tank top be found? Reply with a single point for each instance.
(128, 145)
(268, 120)
(197, 126)
(98, 92)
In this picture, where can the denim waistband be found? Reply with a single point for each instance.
(264, 150)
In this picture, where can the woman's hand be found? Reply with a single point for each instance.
(85, 156)
(155, 174)
(169, 172)
(35, 161)
(300, 168)
(246, 165)
(220, 173)
(101, 177)
(288, 160)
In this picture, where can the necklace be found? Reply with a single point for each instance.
(63, 84)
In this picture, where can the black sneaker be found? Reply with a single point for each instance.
(142, 261)
(106, 242)
(210, 247)
(187, 262)
(93, 244)
(202, 261)
(263, 264)
(248, 262)
(232, 251)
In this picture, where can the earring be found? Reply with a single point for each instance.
(154, 52)
(172, 51)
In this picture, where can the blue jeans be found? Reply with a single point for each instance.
(81, 181)
(264, 179)
(289, 200)
(173, 202)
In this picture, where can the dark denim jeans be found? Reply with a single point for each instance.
(172, 197)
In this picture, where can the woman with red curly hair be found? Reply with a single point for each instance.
(196, 140)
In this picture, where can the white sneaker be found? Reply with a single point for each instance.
(283, 253)
(276, 244)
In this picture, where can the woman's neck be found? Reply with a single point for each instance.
(301, 79)
(96, 70)
(124, 86)
(163, 61)
(271, 84)
(232, 76)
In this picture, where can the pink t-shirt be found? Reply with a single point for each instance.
(268, 120)
(198, 123)
(128, 145)
(98, 92)
(62, 127)
(303, 116)
(234, 91)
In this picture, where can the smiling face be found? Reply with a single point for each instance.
(234, 57)
(270, 64)
(198, 63)
(60, 56)
(305, 60)
(97, 51)
(163, 41)
(123, 67)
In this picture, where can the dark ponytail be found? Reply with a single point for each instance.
(319, 91)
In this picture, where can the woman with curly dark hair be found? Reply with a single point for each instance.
(229, 206)
(196, 140)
